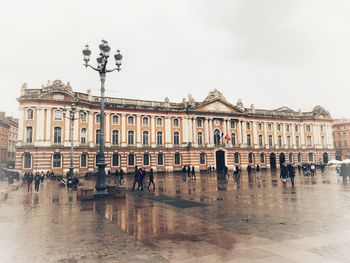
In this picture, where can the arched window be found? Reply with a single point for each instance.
(217, 137)
(236, 158)
(115, 119)
(98, 137)
(159, 122)
(56, 160)
(248, 125)
(176, 122)
(131, 159)
(200, 138)
(296, 128)
(83, 136)
(261, 142)
(30, 114)
(251, 158)
(98, 118)
(130, 120)
(145, 138)
(29, 134)
(176, 138)
(290, 158)
(300, 158)
(146, 158)
(83, 160)
(115, 137)
(57, 135)
(83, 116)
(259, 126)
(199, 123)
(115, 159)
(233, 139)
(279, 140)
(311, 157)
(145, 121)
(269, 126)
(27, 161)
(308, 128)
(160, 159)
(308, 140)
(262, 158)
(177, 159)
(159, 138)
(287, 128)
(131, 137)
(202, 158)
(270, 140)
(249, 141)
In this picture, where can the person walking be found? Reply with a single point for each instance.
(116, 176)
(37, 180)
(136, 178)
(142, 176)
(284, 173)
(193, 173)
(249, 169)
(291, 173)
(29, 181)
(236, 173)
(258, 168)
(188, 171)
(151, 178)
(121, 176)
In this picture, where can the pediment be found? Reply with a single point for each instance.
(217, 106)
(57, 96)
(284, 109)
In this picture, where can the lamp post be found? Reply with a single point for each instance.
(71, 117)
(102, 60)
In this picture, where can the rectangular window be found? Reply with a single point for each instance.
(160, 159)
(115, 160)
(146, 159)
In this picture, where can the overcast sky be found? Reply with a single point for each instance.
(270, 53)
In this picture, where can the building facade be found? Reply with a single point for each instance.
(341, 137)
(164, 135)
(4, 131)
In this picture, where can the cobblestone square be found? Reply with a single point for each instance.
(210, 219)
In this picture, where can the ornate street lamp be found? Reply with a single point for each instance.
(102, 60)
(71, 117)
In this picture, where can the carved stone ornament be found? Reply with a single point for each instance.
(320, 111)
(191, 101)
(57, 85)
(213, 95)
(240, 104)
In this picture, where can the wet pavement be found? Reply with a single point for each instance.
(211, 219)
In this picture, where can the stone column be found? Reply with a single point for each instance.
(244, 133)
(108, 130)
(90, 128)
(153, 131)
(138, 130)
(123, 131)
(266, 138)
(284, 133)
(255, 135)
(275, 141)
(76, 129)
(315, 135)
(224, 130)
(48, 127)
(329, 137)
(190, 132)
(211, 139)
(302, 136)
(206, 130)
(185, 130)
(168, 131)
(39, 136)
(194, 130)
(293, 136)
(239, 133)
(66, 134)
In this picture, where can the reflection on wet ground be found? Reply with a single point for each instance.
(210, 219)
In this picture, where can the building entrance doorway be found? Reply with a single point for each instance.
(220, 161)
(273, 161)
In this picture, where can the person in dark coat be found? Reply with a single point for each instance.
(151, 177)
(29, 181)
(142, 176)
(257, 168)
(137, 177)
(121, 176)
(188, 171)
(193, 173)
(37, 181)
(249, 169)
(291, 173)
(284, 172)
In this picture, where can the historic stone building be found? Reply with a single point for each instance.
(341, 135)
(164, 135)
(4, 131)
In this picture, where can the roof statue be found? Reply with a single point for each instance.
(191, 101)
(23, 89)
(239, 104)
(213, 95)
(57, 85)
(319, 111)
(252, 108)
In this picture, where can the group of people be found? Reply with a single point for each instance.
(139, 176)
(190, 171)
(287, 171)
(29, 177)
(118, 176)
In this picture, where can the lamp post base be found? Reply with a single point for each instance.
(101, 194)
